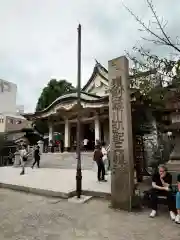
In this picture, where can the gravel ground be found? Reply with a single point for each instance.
(24, 216)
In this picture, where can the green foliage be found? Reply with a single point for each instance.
(41, 126)
(52, 91)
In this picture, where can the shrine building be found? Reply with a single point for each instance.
(61, 114)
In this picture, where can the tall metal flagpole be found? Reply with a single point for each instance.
(78, 170)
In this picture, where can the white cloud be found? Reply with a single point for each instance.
(39, 38)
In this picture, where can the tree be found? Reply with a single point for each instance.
(52, 91)
(168, 69)
(165, 71)
(160, 37)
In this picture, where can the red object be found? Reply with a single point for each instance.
(57, 142)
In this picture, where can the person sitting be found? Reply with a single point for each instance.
(177, 220)
(161, 183)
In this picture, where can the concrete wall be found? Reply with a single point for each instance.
(2, 123)
(15, 123)
(12, 123)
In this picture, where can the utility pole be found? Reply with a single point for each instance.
(78, 170)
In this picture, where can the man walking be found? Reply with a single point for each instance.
(36, 156)
(23, 156)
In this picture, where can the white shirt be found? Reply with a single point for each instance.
(85, 142)
(23, 152)
(104, 152)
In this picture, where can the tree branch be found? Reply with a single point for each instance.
(149, 2)
(160, 40)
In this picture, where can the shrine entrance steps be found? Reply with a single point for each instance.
(66, 160)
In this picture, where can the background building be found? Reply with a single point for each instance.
(10, 114)
(8, 93)
(9, 122)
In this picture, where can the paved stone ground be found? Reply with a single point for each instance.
(61, 181)
(26, 217)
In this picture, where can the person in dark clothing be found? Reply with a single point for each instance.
(10, 157)
(98, 158)
(161, 186)
(62, 146)
(36, 157)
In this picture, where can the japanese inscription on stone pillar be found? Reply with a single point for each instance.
(120, 134)
(116, 89)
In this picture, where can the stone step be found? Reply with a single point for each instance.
(173, 166)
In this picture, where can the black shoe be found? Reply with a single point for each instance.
(22, 173)
(103, 180)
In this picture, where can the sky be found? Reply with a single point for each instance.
(39, 38)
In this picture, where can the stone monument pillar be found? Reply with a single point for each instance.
(174, 162)
(121, 153)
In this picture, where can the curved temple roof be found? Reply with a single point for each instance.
(98, 70)
(68, 101)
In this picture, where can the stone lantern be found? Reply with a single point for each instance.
(174, 161)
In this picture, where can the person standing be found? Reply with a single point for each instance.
(23, 156)
(105, 157)
(85, 143)
(98, 158)
(36, 156)
(10, 157)
(161, 185)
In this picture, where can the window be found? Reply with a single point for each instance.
(18, 122)
(10, 120)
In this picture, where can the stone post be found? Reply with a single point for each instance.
(173, 164)
(122, 175)
(17, 160)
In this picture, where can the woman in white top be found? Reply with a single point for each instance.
(24, 157)
(85, 143)
(105, 157)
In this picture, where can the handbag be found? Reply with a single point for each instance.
(25, 158)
